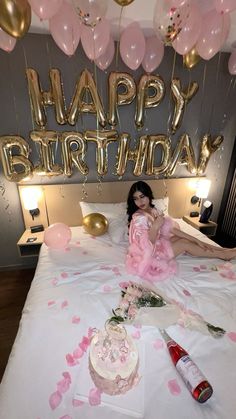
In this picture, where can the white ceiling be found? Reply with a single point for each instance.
(141, 11)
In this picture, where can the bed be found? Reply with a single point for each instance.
(73, 293)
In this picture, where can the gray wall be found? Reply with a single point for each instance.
(210, 111)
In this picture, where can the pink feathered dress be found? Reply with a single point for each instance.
(154, 262)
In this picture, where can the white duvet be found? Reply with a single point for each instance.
(72, 293)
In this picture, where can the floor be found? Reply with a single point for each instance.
(14, 287)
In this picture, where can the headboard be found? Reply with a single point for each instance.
(60, 203)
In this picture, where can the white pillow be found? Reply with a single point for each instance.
(115, 214)
(162, 204)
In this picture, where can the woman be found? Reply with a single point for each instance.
(155, 240)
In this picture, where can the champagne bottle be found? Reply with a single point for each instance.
(195, 381)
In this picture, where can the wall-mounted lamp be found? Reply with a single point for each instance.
(30, 197)
(202, 191)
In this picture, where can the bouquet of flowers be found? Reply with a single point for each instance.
(136, 301)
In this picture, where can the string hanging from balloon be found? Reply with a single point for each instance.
(118, 40)
(215, 93)
(84, 192)
(195, 134)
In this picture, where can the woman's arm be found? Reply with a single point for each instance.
(155, 227)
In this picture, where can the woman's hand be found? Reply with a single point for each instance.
(159, 221)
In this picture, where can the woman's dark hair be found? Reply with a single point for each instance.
(142, 187)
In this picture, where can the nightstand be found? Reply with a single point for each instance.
(30, 243)
(209, 229)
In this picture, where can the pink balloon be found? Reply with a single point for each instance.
(232, 62)
(57, 236)
(154, 54)
(95, 40)
(65, 28)
(45, 9)
(106, 58)
(215, 29)
(225, 6)
(190, 32)
(7, 42)
(132, 46)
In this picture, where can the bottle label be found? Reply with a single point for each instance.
(190, 373)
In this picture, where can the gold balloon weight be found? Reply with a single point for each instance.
(95, 224)
(191, 58)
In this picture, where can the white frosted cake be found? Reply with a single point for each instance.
(113, 361)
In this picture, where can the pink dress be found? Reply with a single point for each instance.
(153, 262)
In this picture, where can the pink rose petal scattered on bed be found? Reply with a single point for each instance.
(105, 268)
(94, 397)
(232, 336)
(64, 304)
(63, 385)
(158, 344)
(51, 303)
(228, 274)
(123, 284)
(78, 353)
(54, 281)
(65, 417)
(71, 362)
(174, 387)
(77, 403)
(64, 275)
(187, 293)
(136, 334)
(137, 326)
(77, 273)
(203, 267)
(55, 399)
(84, 343)
(196, 269)
(67, 249)
(107, 288)
(75, 320)
(67, 375)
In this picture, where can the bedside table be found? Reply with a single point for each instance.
(30, 243)
(209, 229)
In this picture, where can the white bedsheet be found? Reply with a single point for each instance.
(75, 290)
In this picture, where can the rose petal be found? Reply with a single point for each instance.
(67, 375)
(64, 275)
(65, 417)
(51, 303)
(94, 397)
(78, 353)
(70, 360)
(174, 387)
(136, 334)
(77, 403)
(75, 319)
(158, 344)
(64, 304)
(187, 293)
(55, 399)
(63, 385)
(232, 336)
(107, 288)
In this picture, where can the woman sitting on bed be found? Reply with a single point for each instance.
(156, 240)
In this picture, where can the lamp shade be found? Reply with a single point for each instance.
(202, 189)
(30, 197)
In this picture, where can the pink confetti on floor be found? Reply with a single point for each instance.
(232, 336)
(158, 344)
(174, 387)
(77, 403)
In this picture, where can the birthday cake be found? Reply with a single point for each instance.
(113, 360)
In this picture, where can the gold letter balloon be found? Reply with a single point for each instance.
(15, 17)
(95, 224)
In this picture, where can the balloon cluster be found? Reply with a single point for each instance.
(183, 24)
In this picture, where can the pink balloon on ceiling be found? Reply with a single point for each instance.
(132, 46)
(232, 63)
(153, 54)
(45, 9)
(106, 58)
(225, 6)
(7, 42)
(190, 32)
(95, 40)
(65, 28)
(215, 30)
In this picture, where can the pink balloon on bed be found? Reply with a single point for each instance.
(57, 236)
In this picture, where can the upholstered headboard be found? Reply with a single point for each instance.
(60, 203)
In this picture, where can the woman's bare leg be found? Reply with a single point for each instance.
(180, 246)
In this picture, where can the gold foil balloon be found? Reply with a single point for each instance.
(102, 139)
(191, 58)
(117, 98)
(15, 17)
(10, 162)
(146, 100)
(181, 99)
(95, 224)
(164, 143)
(124, 2)
(208, 147)
(73, 148)
(183, 155)
(46, 139)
